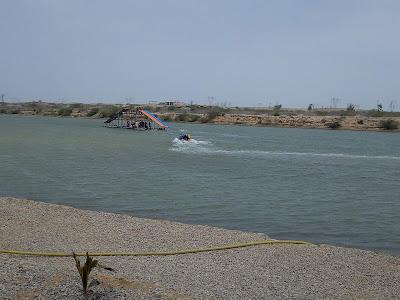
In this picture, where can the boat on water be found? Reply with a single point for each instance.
(184, 137)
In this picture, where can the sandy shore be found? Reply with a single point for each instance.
(261, 272)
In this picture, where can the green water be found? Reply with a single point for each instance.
(336, 187)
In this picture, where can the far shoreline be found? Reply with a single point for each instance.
(347, 118)
(222, 121)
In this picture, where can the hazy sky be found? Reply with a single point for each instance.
(243, 52)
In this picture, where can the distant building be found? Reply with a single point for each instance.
(172, 103)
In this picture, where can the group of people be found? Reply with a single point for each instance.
(139, 124)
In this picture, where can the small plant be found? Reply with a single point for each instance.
(85, 270)
(360, 122)
(389, 124)
(334, 125)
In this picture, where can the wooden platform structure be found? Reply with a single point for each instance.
(135, 118)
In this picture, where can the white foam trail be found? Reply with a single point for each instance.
(259, 153)
(191, 142)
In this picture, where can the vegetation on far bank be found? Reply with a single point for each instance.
(209, 114)
(389, 124)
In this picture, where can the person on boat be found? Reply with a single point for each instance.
(185, 137)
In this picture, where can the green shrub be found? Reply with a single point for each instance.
(65, 111)
(166, 118)
(15, 111)
(347, 112)
(212, 114)
(193, 108)
(277, 110)
(209, 117)
(77, 105)
(389, 124)
(187, 118)
(389, 114)
(351, 107)
(92, 111)
(321, 113)
(36, 107)
(181, 117)
(375, 113)
(108, 111)
(38, 110)
(334, 125)
(193, 118)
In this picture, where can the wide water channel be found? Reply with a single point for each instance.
(335, 187)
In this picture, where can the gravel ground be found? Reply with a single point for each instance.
(261, 272)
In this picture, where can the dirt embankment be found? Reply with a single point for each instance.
(301, 121)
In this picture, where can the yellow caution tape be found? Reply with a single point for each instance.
(161, 253)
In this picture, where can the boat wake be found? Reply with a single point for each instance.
(205, 148)
(192, 142)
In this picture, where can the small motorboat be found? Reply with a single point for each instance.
(184, 137)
